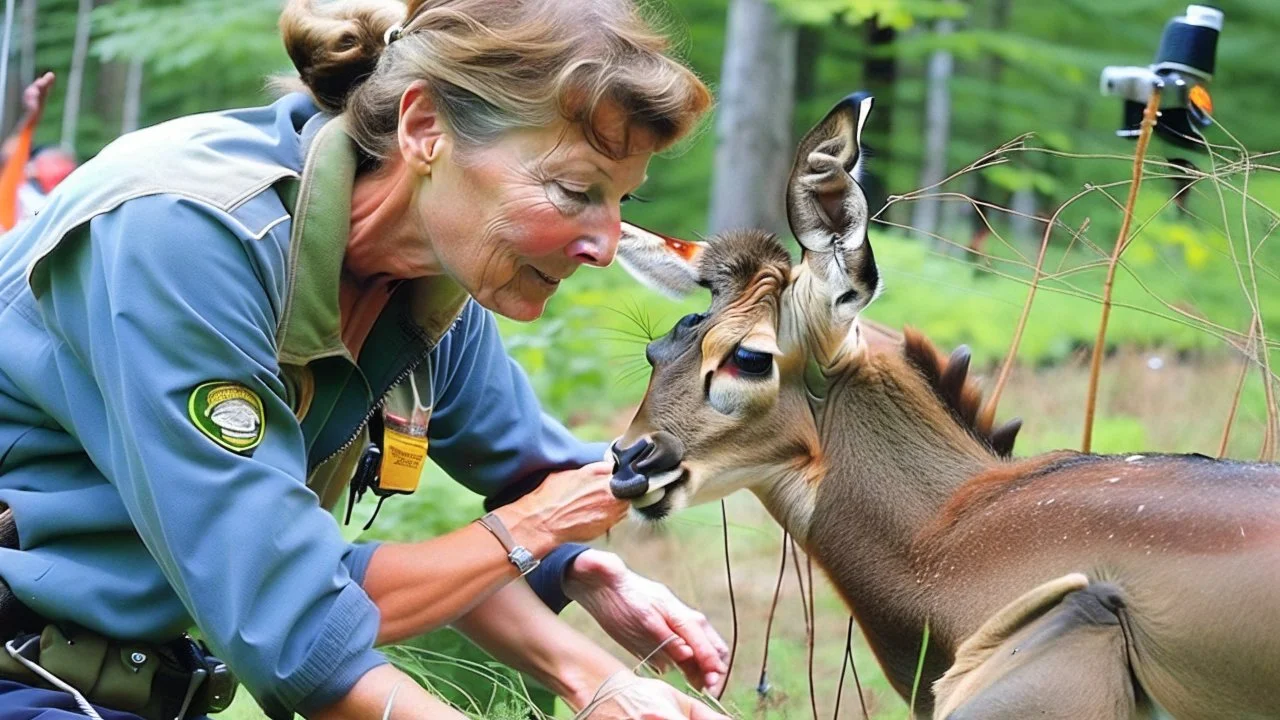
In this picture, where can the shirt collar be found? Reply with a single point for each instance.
(310, 326)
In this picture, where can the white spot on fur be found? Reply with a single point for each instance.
(1133, 458)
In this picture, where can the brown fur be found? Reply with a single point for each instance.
(948, 376)
(733, 262)
(981, 489)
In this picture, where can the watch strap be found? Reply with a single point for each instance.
(517, 554)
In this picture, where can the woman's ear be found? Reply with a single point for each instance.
(421, 128)
(663, 263)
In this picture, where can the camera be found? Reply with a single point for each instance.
(1184, 65)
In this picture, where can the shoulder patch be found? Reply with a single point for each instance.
(229, 414)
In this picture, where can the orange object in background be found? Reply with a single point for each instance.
(1200, 98)
(46, 171)
(13, 175)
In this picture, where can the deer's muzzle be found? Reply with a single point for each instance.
(650, 456)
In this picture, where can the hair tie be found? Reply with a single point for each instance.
(392, 34)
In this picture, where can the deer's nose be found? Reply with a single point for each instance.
(649, 455)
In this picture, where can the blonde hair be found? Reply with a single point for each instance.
(492, 66)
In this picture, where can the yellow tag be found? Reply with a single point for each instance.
(403, 456)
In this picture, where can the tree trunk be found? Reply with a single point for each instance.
(132, 109)
(879, 77)
(75, 78)
(1025, 207)
(27, 62)
(753, 129)
(937, 130)
(809, 41)
(7, 29)
(993, 131)
(104, 98)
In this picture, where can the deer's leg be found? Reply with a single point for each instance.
(1063, 660)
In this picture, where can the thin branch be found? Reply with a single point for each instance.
(733, 604)
(1235, 399)
(989, 412)
(762, 687)
(813, 695)
(1095, 368)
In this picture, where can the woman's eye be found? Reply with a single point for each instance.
(750, 362)
(578, 196)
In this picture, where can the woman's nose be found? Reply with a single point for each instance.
(597, 248)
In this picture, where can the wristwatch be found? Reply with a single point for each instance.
(519, 555)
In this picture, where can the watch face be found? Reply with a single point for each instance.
(523, 559)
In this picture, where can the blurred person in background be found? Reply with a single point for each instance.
(28, 174)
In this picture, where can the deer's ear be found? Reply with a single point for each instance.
(825, 204)
(663, 263)
(828, 212)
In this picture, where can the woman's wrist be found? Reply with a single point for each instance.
(582, 683)
(592, 570)
(526, 530)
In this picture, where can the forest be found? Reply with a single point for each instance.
(999, 186)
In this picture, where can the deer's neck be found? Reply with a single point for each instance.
(894, 456)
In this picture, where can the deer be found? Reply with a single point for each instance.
(1064, 585)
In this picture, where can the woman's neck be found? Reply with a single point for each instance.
(388, 239)
(359, 305)
(386, 244)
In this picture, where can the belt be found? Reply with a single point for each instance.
(169, 681)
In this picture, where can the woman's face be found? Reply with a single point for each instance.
(511, 219)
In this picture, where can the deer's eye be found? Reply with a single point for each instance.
(690, 321)
(752, 363)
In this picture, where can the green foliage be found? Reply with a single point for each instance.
(462, 674)
(174, 37)
(898, 14)
(585, 356)
(1113, 434)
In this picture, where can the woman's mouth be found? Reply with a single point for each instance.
(545, 278)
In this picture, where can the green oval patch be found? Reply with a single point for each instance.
(229, 414)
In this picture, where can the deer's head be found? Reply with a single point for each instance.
(731, 400)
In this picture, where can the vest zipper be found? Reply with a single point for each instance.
(381, 395)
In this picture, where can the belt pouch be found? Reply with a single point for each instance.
(75, 657)
(126, 679)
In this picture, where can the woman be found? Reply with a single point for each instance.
(203, 326)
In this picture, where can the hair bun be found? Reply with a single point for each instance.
(336, 46)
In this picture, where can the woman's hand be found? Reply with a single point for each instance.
(627, 697)
(640, 614)
(569, 506)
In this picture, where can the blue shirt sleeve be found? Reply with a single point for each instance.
(162, 297)
(488, 431)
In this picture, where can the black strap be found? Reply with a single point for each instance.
(15, 618)
(368, 469)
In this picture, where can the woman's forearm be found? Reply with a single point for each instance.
(516, 628)
(386, 688)
(422, 586)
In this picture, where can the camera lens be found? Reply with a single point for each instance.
(1190, 42)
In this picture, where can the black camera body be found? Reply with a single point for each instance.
(1184, 65)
